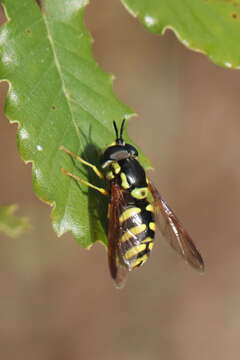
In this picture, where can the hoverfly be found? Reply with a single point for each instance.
(134, 206)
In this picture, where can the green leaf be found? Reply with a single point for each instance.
(10, 224)
(59, 96)
(208, 26)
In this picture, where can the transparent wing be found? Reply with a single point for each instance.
(118, 269)
(174, 232)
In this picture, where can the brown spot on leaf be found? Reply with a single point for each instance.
(39, 3)
(3, 18)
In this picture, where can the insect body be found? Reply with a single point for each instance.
(132, 239)
(134, 204)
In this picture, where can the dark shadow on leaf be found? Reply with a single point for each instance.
(97, 203)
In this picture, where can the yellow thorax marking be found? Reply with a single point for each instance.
(139, 261)
(110, 175)
(132, 232)
(129, 213)
(116, 167)
(149, 207)
(134, 251)
(125, 184)
(152, 226)
(140, 193)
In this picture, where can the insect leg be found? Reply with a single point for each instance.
(93, 167)
(78, 179)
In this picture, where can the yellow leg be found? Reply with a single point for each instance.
(93, 167)
(78, 179)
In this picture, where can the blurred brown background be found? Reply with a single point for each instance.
(57, 300)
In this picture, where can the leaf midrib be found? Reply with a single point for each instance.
(67, 99)
(59, 70)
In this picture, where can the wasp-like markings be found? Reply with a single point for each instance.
(134, 204)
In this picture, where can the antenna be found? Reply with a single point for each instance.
(121, 130)
(119, 139)
(115, 128)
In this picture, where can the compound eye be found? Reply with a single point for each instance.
(114, 153)
(132, 150)
(120, 155)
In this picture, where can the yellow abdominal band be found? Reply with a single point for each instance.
(132, 232)
(127, 214)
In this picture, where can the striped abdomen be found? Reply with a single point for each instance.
(137, 233)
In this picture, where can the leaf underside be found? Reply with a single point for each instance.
(208, 26)
(58, 95)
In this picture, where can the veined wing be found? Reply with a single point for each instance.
(118, 269)
(174, 232)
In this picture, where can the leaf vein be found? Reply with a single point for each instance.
(58, 66)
